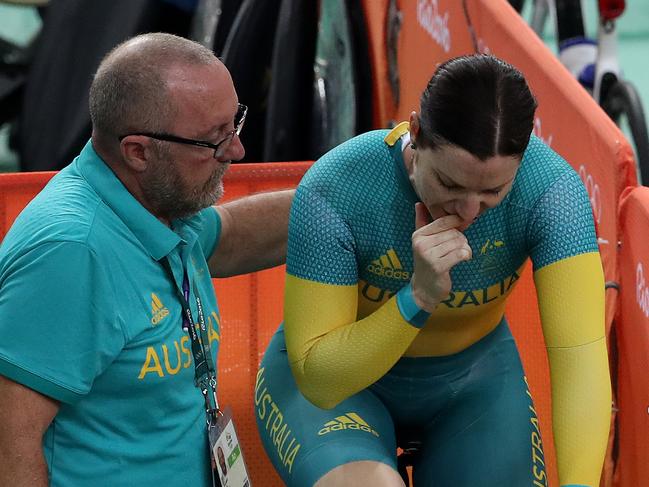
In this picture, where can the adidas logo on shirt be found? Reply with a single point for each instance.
(388, 265)
(348, 421)
(158, 310)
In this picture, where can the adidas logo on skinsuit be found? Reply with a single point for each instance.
(348, 421)
(388, 265)
(158, 310)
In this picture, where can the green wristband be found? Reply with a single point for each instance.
(408, 308)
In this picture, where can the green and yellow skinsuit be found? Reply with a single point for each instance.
(365, 380)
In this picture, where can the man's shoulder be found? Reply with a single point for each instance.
(63, 211)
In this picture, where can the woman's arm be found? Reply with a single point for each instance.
(571, 303)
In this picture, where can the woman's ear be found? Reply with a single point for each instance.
(414, 128)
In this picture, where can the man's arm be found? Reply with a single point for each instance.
(24, 417)
(253, 234)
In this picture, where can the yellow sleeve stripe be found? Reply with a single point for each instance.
(581, 411)
(312, 309)
(396, 133)
(332, 354)
(571, 300)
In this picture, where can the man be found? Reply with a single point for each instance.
(96, 369)
(403, 249)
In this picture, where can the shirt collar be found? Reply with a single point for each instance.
(157, 239)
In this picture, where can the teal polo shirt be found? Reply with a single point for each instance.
(89, 317)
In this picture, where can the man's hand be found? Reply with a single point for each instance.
(436, 248)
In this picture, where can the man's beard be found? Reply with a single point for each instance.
(169, 197)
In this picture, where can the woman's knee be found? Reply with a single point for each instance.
(362, 473)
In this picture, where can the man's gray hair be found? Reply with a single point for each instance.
(129, 91)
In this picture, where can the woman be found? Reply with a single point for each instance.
(403, 248)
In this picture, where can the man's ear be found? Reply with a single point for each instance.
(414, 126)
(136, 152)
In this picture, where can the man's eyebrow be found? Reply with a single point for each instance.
(215, 129)
(220, 127)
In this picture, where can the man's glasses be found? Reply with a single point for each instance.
(219, 148)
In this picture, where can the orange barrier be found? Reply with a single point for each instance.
(16, 190)
(632, 334)
(251, 310)
(568, 120)
(250, 305)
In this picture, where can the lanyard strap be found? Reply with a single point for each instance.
(205, 372)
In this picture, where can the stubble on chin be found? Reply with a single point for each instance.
(171, 198)
(212, 190)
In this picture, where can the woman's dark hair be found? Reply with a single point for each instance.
(479, 103)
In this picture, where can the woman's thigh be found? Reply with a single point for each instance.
(489, 434)
(305, 442)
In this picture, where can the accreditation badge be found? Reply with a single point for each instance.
(230, 468)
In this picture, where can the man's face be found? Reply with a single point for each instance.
(175, 195)
(451, 181)
(183, 179)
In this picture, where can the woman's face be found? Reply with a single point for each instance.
(451, 181)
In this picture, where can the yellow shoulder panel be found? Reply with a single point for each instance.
(396, 133)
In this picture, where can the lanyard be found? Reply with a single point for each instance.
(205, 373)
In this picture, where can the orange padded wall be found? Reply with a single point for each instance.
(251, 309)
(250, 305)
(632, 334)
